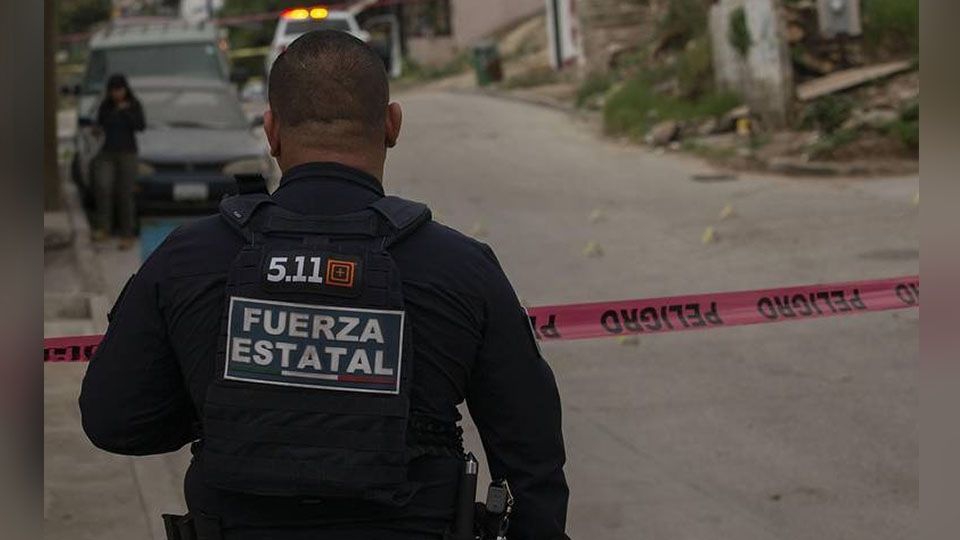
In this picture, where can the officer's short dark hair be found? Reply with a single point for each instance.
(328, 81)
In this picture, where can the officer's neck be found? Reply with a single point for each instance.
(368, 162)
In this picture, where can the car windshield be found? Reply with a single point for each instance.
(186, 59)
(209, 109)
(308, 25)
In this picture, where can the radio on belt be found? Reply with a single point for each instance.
(495, 516)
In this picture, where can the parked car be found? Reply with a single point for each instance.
(141, 47)
(197, 138)
(295, 22)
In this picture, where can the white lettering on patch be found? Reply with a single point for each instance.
(378, 365)
(298, 324)
(264, 352)
(310, 359)
(250, 316)
(285, 349)
(274, 327)
(359, 362)
(335, 354)
(349, 323)
(323, 323)
(372, 331)
(240, 350)
(319, 347)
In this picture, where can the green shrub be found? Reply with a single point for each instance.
(832, 142)
(694, 69)
(635, 108)
(593, 85)
(892, 26)
(908, 133)
(907, 127)
(828, 113)
(81, 15)
(739, 31)
(684, 20)
(911, 113)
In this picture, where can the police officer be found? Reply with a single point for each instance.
(313, 344)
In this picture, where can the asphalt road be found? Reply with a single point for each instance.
(803, 430)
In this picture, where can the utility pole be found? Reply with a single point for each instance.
(51, 174)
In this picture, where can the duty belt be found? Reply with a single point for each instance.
(192, 527)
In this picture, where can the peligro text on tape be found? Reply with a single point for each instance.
(667, 314)
(70, 349)
(704, 311)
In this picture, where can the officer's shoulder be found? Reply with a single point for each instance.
(201, 245)
(206, 229)
(441, 235)
(439, 246)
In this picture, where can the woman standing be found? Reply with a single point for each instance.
(119, 117)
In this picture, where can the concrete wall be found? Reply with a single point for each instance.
(471, 21)
(475, 19)
(764, 76)
(611, 26)
(434, 51)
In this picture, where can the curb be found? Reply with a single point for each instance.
(57, 232)
(827, 169)
(82, 245)
(91, 274)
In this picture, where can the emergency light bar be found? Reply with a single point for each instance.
(300, 14)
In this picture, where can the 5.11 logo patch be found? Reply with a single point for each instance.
(312, 271)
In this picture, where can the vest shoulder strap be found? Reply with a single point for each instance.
(404, 216)
(250, 183)
(239, 209)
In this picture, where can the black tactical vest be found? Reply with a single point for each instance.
(311, 395)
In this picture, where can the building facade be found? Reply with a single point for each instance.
(609, 27)
(435, 31)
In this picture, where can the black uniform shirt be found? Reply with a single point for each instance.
(143, 388)
(119, 126)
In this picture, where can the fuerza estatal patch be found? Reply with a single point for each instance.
(311, 346)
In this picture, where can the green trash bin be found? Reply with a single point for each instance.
(486, 63)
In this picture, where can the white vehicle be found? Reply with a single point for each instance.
(295, 22)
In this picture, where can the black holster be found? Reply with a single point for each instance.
(475, 520)
(191, 527)
(463, 525)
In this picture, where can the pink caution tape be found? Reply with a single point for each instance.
(70, 349)
(667, 314)
(702, 311)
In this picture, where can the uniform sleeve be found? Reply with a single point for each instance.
(135, 116)
(514, 402)
(133, 400)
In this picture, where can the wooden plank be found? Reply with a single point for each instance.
(850, 78)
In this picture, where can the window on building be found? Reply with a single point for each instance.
(427, 18)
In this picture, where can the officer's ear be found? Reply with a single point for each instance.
(271, 128)
(394, 119)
